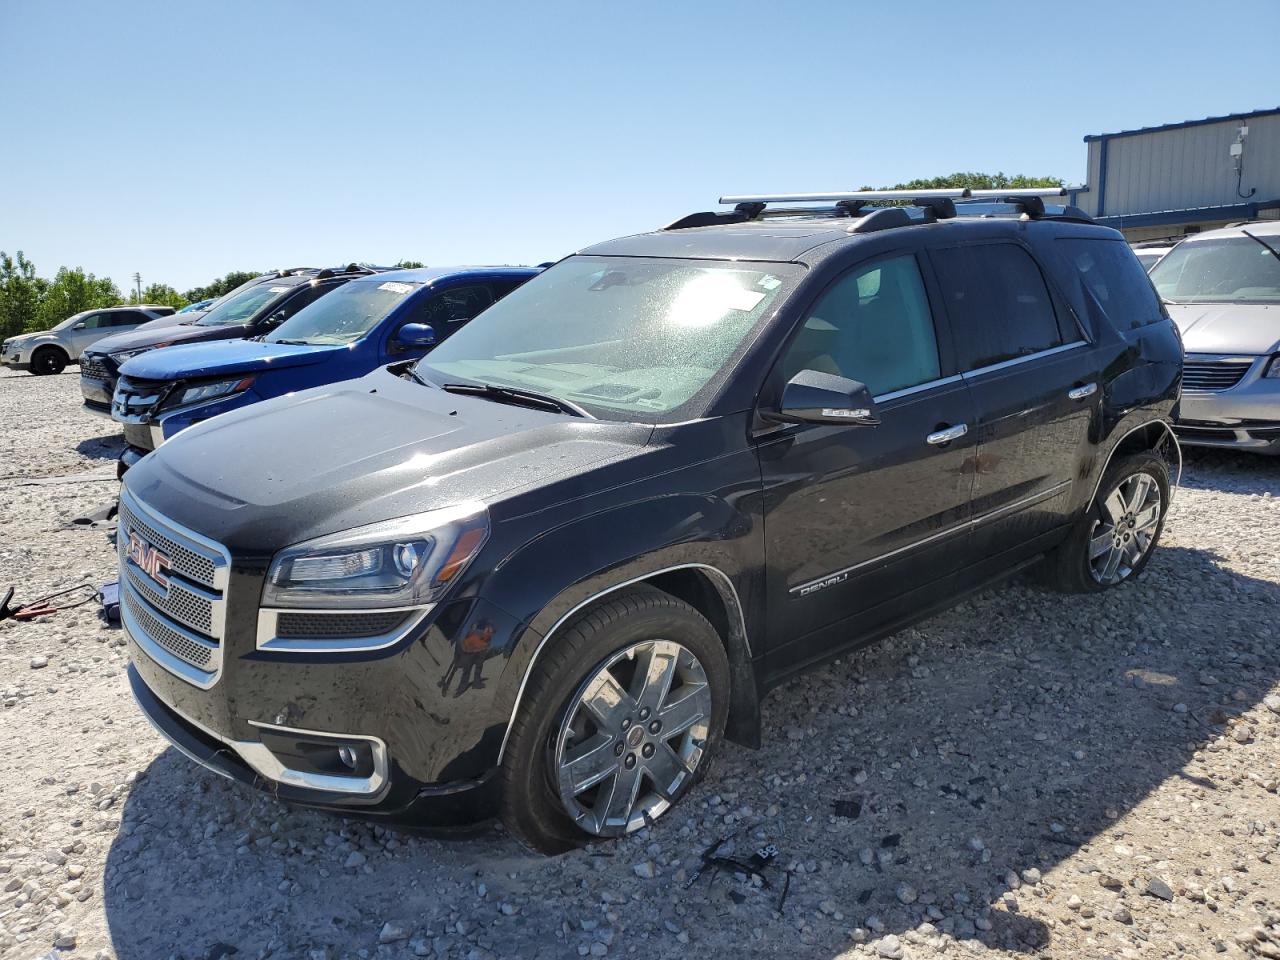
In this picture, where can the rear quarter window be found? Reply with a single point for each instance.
(1112, 280)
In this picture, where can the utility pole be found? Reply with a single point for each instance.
(137, 282)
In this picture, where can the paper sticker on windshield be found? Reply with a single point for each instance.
(279, 289)
(744, 300)
(768, 282)
(392, 287)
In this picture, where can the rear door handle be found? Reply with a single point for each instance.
(1079, 393)
(939, 437)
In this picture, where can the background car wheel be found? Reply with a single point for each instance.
(48, 361)
(1113, 540)
(621, 716)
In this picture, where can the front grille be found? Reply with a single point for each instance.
(185, 619)
(337, 626)
(94, 367)
(1213, 375)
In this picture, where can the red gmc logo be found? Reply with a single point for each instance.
(148, 559)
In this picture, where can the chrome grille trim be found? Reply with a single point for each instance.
(1213, 375)
(181, 626)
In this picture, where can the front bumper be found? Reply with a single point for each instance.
(1245, 416)
(97, 383)
(14, 361)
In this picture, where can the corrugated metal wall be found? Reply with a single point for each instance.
(1182, 168)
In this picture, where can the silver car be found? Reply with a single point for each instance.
(1222, 288)
(49, 351)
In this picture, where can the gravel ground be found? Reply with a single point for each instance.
(1024, 774)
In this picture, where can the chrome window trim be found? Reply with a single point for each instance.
(737, 601)
(962, 527)
(918, 388)
(1005, 364)
(268, 641)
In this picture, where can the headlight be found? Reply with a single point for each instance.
(1273, 369)
(407, 562)
(211, 391)
(120, 356)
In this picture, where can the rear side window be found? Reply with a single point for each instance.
(872, 325)
(1114, 278)
(998, 302)
(126, 318)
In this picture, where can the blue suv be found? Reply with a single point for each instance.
(366, 323)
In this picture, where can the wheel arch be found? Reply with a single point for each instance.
(711, 592)
(1155, 435)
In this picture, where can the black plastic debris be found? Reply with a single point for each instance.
(850, 808)
(109, 596)
(892, 840)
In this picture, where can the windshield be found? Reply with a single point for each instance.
(345, 315)
(240, 307)
(1233, 269)
(627, 338)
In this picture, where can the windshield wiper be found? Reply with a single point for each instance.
(298, 343)
(1272, 249)
(514, 395)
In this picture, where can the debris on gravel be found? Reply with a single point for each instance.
(1090, 777)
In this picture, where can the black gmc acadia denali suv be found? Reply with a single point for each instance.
(543, 571)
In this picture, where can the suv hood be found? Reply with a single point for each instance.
(1244, 328)
(347, 454)
(149, 336)
(236, 356)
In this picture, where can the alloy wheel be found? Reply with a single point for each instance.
(1124, 534)
(632, 737)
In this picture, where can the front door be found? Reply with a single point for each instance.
(862, 521)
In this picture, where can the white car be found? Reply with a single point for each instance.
(1151, 252)
(1222, 288)
(49, 351)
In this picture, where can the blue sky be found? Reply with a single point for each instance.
(187, 139)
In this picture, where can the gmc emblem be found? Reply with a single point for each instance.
(148, 559)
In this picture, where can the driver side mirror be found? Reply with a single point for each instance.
(78, 325)
(813, 397)
(416, 335)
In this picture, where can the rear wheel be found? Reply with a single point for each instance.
(619, 719)
(48, 361)
(1113, 540)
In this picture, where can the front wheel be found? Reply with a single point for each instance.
(48, 361)
(1113, 540)
(620, 718)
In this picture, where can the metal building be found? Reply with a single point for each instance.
(1182, 178)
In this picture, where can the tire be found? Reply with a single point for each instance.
(48, 361)
(621, 635)
(1127, 546)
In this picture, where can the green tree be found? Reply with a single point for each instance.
(408, 264)
(20, 294)
(161, 293)
(72, 291)
(222, 285)
(975, 181)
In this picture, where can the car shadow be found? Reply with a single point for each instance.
(922, 786)
(1207, 468)
(109, 446)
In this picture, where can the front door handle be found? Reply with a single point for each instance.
(1085, 390)
(939, 437)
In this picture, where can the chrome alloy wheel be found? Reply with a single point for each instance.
(1130, 518)
(632, 737)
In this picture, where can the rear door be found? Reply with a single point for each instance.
(862, 521)
(1034, 379)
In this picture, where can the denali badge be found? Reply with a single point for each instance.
(815, 585)
(148, 559)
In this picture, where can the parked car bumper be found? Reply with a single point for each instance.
(144, 432)
(97, 382)
(1245, 416)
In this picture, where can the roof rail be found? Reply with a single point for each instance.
(836, 196)
(1018, 192)
(843, 203)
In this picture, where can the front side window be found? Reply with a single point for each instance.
(345, 315)
(999, 305)
(1227, 270)
(92, 322)
(628, 338)
(454, 306)
(1114, 278)
(873, 325)
(240, 307)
